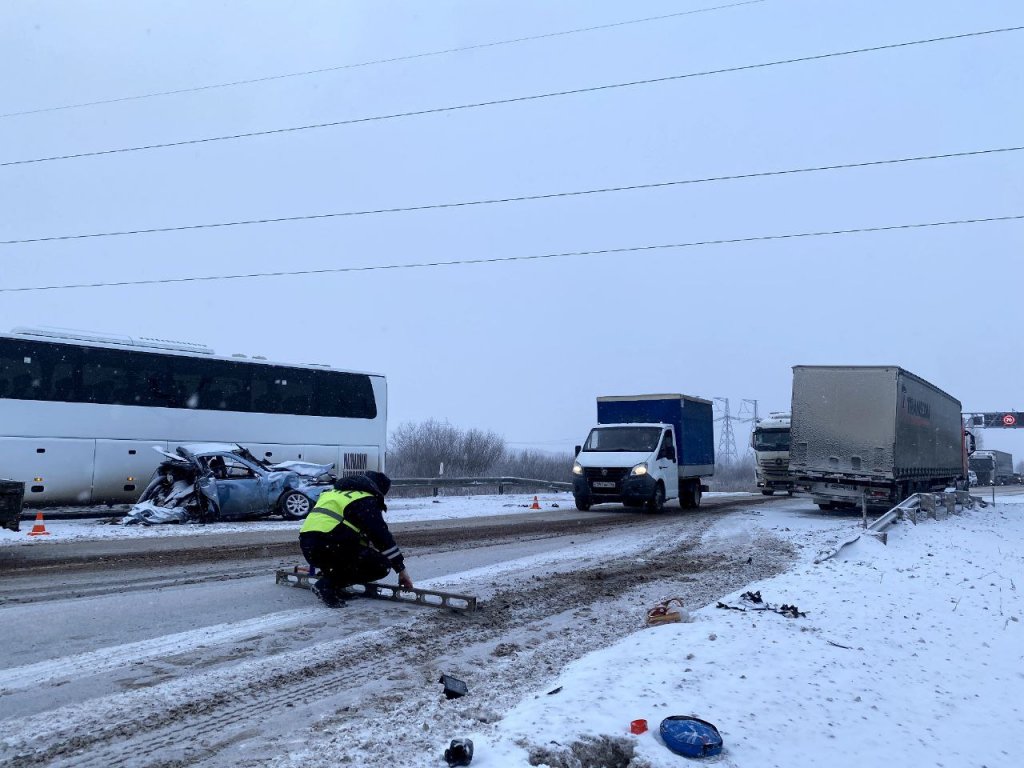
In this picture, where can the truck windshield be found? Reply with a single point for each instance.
(643, 439)
(771, 440)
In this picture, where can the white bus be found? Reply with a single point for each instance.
(80, 413)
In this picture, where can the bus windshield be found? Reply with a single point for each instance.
(771, 440)
(641, 439)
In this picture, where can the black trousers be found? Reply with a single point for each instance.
(343, 562)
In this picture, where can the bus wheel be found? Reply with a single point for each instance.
(295, 505)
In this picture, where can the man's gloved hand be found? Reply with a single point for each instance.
(405, 580)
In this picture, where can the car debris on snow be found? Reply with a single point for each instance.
(663, 613)
(459, 752)
(789, 611)
(453, 687)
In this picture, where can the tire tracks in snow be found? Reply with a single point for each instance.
(112, 658)
(190, 722)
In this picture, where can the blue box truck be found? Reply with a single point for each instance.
(645, 450)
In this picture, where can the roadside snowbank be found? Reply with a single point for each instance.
(909, 654)
(399, 511)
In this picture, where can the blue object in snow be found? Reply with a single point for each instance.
(690, 736)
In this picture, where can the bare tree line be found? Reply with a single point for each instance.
(421, 449)
(736, 476)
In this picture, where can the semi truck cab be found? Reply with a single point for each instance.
(770, 441)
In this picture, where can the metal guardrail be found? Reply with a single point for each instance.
(926, 503)
(470, 482)
(930, 504)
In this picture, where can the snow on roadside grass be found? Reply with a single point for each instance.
(399, 511)
(933, 629)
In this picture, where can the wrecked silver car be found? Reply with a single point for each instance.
(210, 482)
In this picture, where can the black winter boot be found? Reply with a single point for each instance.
(323, 589)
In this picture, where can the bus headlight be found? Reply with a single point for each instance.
(639, 469)
(577, 468)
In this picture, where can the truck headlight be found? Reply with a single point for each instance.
(639, 469)
(577, 468)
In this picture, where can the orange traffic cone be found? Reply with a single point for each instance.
(39, 529)
(535, 505)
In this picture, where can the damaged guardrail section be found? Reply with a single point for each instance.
(930, 504)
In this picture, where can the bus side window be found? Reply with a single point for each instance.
(58, 376)
(16, 370)
(263, 400)
(10, 363)
(346, 395)
(64, 389)
(111, 378)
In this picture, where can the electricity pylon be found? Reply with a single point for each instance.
(749, 407)
(726, 439)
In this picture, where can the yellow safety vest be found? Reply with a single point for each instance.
(329, 511)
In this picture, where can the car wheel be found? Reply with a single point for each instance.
(583, 505)
(657, 502)
(295, 505)
(767, 492)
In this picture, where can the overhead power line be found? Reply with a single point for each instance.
(373, 62)
(513, 100)
(517, 199)
(501, 259)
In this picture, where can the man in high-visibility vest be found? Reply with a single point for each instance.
(346, 538)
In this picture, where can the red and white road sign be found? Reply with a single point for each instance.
(1009, 420)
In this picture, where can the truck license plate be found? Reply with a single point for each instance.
(603, 484)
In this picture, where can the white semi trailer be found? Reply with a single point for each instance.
(874, 433)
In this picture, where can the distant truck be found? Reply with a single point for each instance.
(877, 433)
(993, 467)
(770, 442)
(645, 450)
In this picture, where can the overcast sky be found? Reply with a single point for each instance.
(524, 347)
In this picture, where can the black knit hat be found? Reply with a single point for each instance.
(382, 481)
